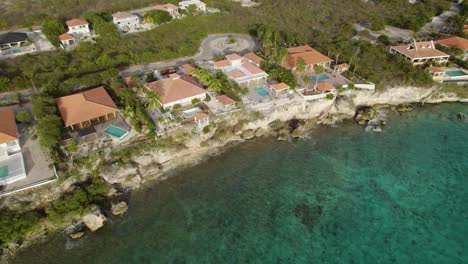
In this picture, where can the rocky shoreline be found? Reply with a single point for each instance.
(284, 123)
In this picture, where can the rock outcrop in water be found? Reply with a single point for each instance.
(119, 208)
(95, 219)
(364, 115)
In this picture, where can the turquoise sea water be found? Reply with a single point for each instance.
(341, 196)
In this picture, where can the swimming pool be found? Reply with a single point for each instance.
(456, 73)
(116, 132)
(321, 77)
(261, 91)
(192, 111)
(3, 171)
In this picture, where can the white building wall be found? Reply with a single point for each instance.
(130, 22)
(82, 30)
(185, 101)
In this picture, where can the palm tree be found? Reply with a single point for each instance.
(216, 85)
(318, 69)
(301, 66)
(203, 75)
(306, 79)
(30, 74)
(151, 100)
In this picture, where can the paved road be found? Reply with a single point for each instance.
(209, 48)
(438, 22)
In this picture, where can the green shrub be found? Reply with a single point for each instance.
(207, 129)
(15, 226)
(72, 147)
(157, 17)
(207, 98)
(176, 106)
(196, 101)
(23, 117)
(330, 96)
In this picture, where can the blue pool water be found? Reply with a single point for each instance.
(320, 78)
(261, 91)
(456, 73)
(116, 132)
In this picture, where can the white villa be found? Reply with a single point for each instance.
(172, 9)
(238, 69)
(421, 52)
(78, 28)
(126, 21)
(176, 90)
(199, 4)
(11, 159)
(201, 119)
(67, 40)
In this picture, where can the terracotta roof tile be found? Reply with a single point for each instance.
(324, 86)
(436, 69)
(280, 86)
(453, 41)
(166, 7)
(253, 58)
(66, 36)
(123, 15)
(225, 100)
(418, 50)
(7, 126)
(233, 56)
(310, 55)
(200, 116)
(252, 68)
(84, 106)
(342, 66)
(237, 74)
(172, 90)
(76, 22)
(188, 68)
(222, 64)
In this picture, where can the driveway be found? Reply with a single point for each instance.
(213, 45)
(438, 22)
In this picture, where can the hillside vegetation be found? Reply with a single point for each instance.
(325, 24)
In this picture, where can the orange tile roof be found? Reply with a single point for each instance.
(66, 36)
(342, 66)
(188, 68)
(166, 7)
(253, 58)
(233, 56)
(280, 86)
(84, 106)
(200, 116)
(436, 69)
(123, 15)
(225, 100)
(222, 64)
(237, 74)
(419, 50)
(174, 89)
(310, 55)
(252, 68)
(453, 41)
(76, 22)
(324, 86)
(7, 126)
